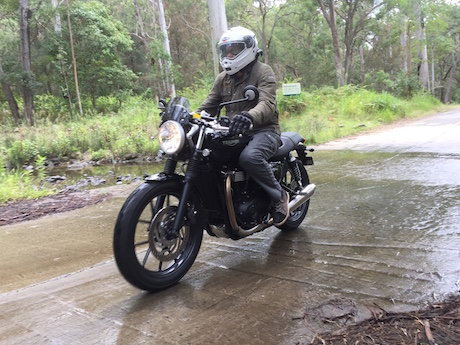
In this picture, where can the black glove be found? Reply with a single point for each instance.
(240, 123)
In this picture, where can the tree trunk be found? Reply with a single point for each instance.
(218, 23)
(331, 21)
(58, 31)
(170, 84)
(27, 75)
(140, 21)
(422, 55)
(361, 56)
(74, 61)
(57, 17)
(403, 40)
(450, 80)
(409, 56)
(432, 70)
(350, 37)
(9, 97)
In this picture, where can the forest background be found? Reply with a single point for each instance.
(81, 79)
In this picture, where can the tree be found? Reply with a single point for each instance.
(9, 96)
(100, 58)
(74, 61)
(262, 17)
(300, 48)
(8, 55)
(170, 87)
(454, 38)
(218, 25)
(422, 52)
(27, 75)
(348, 11)
(190, 42)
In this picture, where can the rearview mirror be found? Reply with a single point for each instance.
(251, 93)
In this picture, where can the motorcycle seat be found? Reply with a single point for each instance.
(289, 141)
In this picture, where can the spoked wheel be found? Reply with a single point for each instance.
(295, 179)
(148, 254)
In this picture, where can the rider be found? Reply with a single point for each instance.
(258, 120)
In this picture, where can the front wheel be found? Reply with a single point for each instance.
(147, 254)
(295, 179)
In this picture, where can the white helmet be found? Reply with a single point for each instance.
(237, 48)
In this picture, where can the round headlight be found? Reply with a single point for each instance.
(171, 136)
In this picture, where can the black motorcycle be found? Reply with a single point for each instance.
(159, 229)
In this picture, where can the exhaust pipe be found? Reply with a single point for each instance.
(302, 197)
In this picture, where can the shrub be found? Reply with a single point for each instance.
(294, 104)
(51, 108)
(107, 104)
(406, 87)
(100, 154)
(22, 151)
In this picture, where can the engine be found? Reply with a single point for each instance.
(251, 204)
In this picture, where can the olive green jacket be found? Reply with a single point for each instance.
(230, 87)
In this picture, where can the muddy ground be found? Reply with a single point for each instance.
(438, 323)
(19, 211)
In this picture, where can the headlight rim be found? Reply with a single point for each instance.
(172, 148)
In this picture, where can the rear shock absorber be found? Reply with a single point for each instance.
(295, 170)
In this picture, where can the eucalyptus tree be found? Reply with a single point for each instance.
(261, 16)
(453, 33)
(422, 52)
(353, 16)
(28, 78)
(218, 25)
(9, 76)
(301, 49)
(190, 41)
(171, 88)
(100, 42)
(431, 24)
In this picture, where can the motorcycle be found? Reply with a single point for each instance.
(159, 229)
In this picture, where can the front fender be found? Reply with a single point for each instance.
(159, 177)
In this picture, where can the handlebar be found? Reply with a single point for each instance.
(220, 125)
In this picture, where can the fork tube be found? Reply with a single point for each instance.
(170, 165)
(169, 169)
(190, 175)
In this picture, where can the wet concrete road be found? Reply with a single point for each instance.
(383, 229)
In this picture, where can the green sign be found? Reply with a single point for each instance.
(291, 89)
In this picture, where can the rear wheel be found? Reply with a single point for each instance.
(295, 179)
(147, 253)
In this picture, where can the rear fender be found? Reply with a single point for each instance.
(301, 150)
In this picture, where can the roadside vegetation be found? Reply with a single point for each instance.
(130, 129)
(79, 79)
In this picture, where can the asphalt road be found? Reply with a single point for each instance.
(383, 231)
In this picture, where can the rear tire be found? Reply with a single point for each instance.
(147, 255)
(289, 182)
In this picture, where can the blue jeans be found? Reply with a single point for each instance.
(253, 159)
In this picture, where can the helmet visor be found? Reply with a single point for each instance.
(230, 50)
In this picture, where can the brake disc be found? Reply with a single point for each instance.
(163, 245)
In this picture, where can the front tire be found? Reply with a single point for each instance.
(291, 184)
(146, 253)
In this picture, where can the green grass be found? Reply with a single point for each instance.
(328, 113)
(320, 116)
(22, 184)
(131, 130)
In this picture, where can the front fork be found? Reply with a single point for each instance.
(190, 176)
